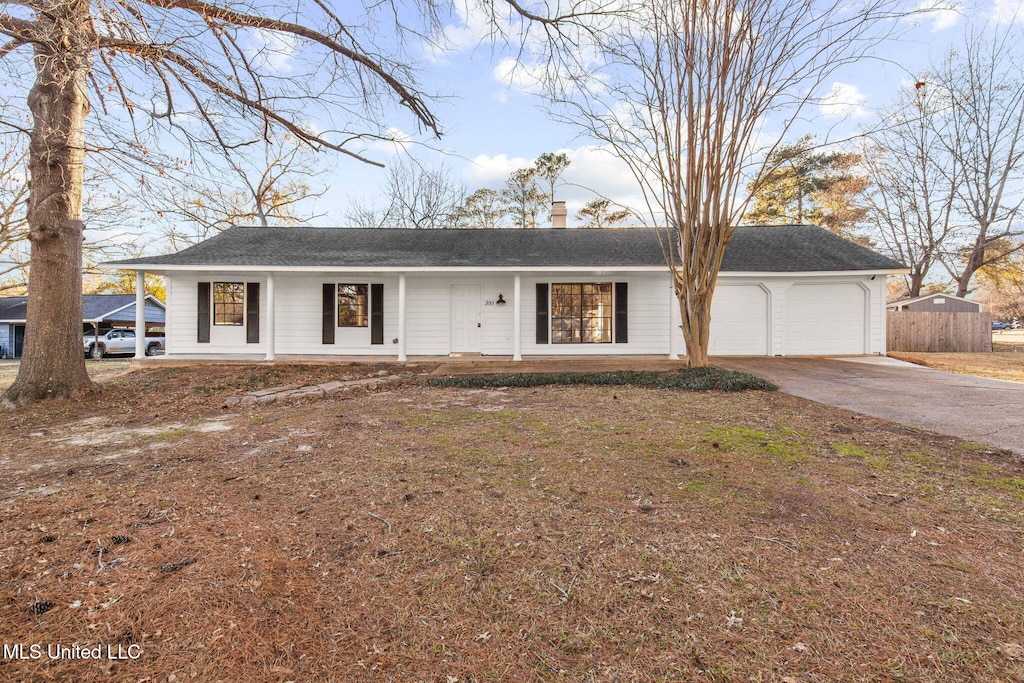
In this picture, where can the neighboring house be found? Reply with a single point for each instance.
(259, 292)
(99, 311)
(936, 303)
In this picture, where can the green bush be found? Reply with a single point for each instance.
(687, 379)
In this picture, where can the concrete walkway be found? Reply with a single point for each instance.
(987, 411)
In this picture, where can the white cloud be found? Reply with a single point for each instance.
(474, 26)
(844, 100)
(525, 78)
(943, 14)
(594, 171)
(1007, 11)
(485, 170)
(395, 141)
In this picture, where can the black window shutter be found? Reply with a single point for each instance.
(542, 313)
(376, 313)
(203, 321)
(330, 304)
(252, 313)
(621, 313)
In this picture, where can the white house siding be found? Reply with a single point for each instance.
(181, 328)
(299, 313)
(751, 315)
(648, 307)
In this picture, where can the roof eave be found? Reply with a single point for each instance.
(158, 268)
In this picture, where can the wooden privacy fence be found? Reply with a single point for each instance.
(927, 331)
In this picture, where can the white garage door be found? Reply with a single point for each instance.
(739, 321)
(825, 319)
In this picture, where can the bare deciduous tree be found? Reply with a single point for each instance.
(157, 60)
(414, 196)
(13, 225)
(258, 187)
(914, 180)
(981, 86)
(680, 91)
(422, 197)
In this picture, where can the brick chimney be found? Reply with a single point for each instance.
(558, 214)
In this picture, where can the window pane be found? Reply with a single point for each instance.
(228, 303)
(353, 305)
(581, 313)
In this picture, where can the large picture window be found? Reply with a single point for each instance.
(228, 303)
(581, 313)
(353, 305)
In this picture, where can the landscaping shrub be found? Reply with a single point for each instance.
(686, 379)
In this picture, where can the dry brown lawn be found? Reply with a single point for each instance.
(560, 533)
(1005, 363)
(98, 370)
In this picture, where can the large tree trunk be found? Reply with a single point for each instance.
(974, 261)
(916, 282)
(695, 315)
(53, 362)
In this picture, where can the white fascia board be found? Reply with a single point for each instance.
(808, 273)
(159, 269)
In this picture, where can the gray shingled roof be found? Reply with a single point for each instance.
(788, 248)
(94, 307)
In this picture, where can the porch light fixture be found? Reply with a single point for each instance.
(501, 300)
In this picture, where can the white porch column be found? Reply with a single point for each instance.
(140, 314)
(517, 318)
(673, 322)
(271, 310)
(401, 318)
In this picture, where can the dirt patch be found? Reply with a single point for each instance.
(999, 364)
(571, 533)
(99, 370)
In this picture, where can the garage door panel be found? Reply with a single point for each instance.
(825, 319)
(739, 321)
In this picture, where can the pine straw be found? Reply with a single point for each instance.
(570, 533)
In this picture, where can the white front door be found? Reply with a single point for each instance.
(465, 318)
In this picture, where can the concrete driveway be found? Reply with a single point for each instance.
(987, 411)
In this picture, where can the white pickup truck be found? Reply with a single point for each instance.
(118, 341)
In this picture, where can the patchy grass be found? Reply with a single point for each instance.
(689, 379)
(575, 533)
(995, 365)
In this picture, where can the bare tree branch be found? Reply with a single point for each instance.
(680, 90)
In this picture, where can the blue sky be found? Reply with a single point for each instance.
(494, 124)
(493, 121)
